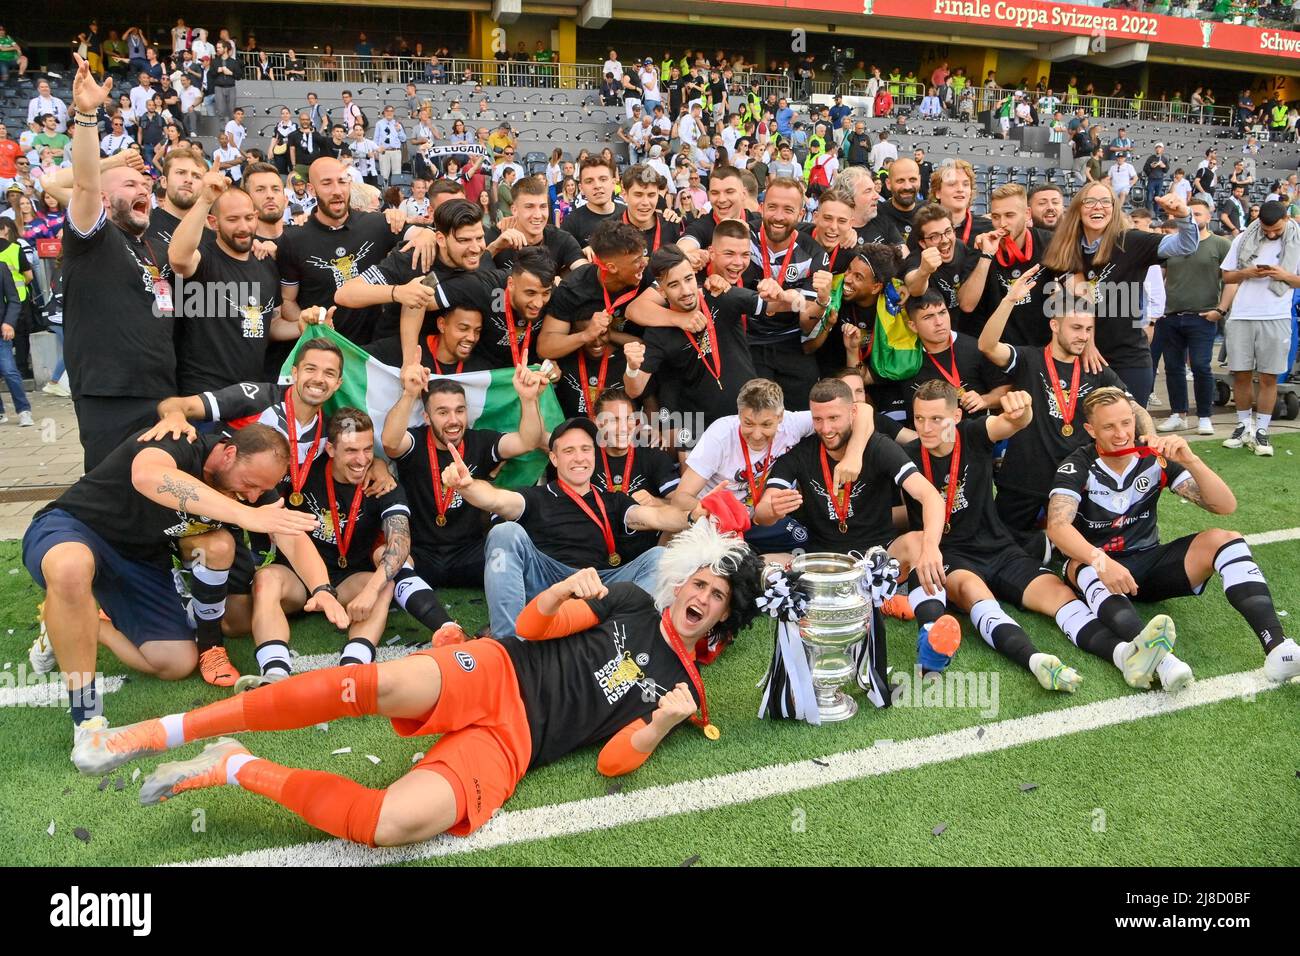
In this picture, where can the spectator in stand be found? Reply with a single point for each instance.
(191, 97)
(566, 201)
(390, 135)
(1122, 176)
(1232, 212)
(52, 137)
(930, 105)
(305, 146)
(329, 65)
(227, 158)
(226, 70)
(1156, 170)
(11, 56)
(1181, 186)
(883, 105)
(1239, 176)
(1207, 177)
(47, 219)
(295, 71)
(1121, 145)
(882, 151)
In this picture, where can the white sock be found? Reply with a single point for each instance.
(1243, 418)
(234, 765)
(274, 655)
(1121, 653)
(357, 651)
(1262, 422)
(174, 724)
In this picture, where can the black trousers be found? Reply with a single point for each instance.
(791, 368)
(106, 422)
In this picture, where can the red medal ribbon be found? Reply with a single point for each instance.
(688, 664)
(603, 523)
(954, 477)
(841, 511)
(658, 229)
(711, 331)
(627, 469)
(952, 377)
(432, 343)
(298, 475)
(342, 536)
(587, 393)
(623, 299)
(1067, 409)
(517, 347)
(1009, 254)
(767, 259)
(756, 482)
(435, 472)
(970, 222)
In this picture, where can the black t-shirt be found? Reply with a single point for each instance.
(701, 228)
(947, 279)
(117, 340)
(1033, 453)
(673, 89)
(1117, 286)
(671, 355)
(869, 519)
(1028, 322)
(880, 229)
(805, 257)
(371, 514)
(307, 145)
(668, 233)
(133, 525)
(976, 526)
(901, 220)
(564, 250)
(971, 227)
(580, 295)
(585, 688)
(318, 260)
(860, 149)
(717, 92)
(484, 291)
(464, 522)
(835, 262)
(162, 226)
(569, 390)
(225, 340)
(429, 357)
(582, 221)
(651, 470)
(974, 371)
(1117, 513)
(561, 530)
(336, 150)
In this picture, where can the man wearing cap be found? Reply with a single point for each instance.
(650, 86)
(1155, 169)
(549, 532)
(839, 111)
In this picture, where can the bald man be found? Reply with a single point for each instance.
(222, 334)
(118, 313)
(904, 186)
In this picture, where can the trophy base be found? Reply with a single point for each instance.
(838, 706)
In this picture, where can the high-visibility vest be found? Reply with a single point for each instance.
(9, 257)
(665, 70)
(1279, 116)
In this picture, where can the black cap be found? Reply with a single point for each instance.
(578, 421)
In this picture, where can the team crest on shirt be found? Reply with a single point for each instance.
(959, 500)
(830, 505)
(189, 526)
(621, 673)
(342, 266)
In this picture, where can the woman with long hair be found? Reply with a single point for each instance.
(329, 65)
(567, 199)
(554, 173)
(459, 134)
(47, 219)
(263, 69)
(125, 111)
(280, 141)
(485, 204)
(1098, 257)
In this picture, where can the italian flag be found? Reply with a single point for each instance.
(370, 385)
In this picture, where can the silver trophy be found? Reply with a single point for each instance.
(837, 618)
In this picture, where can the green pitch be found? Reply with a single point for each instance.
(1209, 785)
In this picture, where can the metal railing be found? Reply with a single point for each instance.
(378, 68)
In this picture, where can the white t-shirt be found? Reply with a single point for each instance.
(226, 154)
(190, 96)
(688, 131)
(139, 97)
(615, 67)
(717, 457)
(1255, 300)
(1182, 189)
(1121, 176)
(1153, 294)
(236, 133)
(880, 152)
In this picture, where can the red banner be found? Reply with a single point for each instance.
(1239, 39)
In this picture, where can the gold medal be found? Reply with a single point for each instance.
(295, 499)
(615, 560)
(947, 527)
(712, 732)
(844, 527)
(1160, 460)
(343, 561)
(1067, 429)
(440, 521)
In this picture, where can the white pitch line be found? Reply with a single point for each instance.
(1273, 537)
(693, 796)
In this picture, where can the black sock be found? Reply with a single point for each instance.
(208, 587)
(928, 608)
(1002, 633)
(1085, 631)
(1115, 611)
(84, 702)
(414, 596)
(1246, 590)
(357, 651)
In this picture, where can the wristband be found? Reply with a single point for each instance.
(327, 588)
(632, 373)
(987, 255)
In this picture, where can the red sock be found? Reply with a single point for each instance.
(337, 805)
(299, 701)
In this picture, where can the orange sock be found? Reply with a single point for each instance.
(337, 805)
(298, 701)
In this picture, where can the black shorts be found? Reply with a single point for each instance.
(451, 567)
(1160, 572)
(245, 565)
(1008, 573)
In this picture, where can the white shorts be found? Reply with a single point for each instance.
(1258, 345)
(1005, 123)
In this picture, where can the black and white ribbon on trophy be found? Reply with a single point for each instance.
(879, 582)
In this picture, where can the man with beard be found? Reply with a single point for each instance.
(952, 186)
(938, 260)
(110, 538)
(642, 189)
(447, 539)
(118, 308)
(181, 171)
(596, 180)
(266, 187)
(227, 300)
(306, 145)
(726, 201)
(904, 186)
(450, 350)
(338, 244)
(529, 226)
(1014, 247)
(867, 221)
(1046, 206)
(952, 357)
(1058, 380)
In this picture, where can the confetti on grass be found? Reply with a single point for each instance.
(103, 784)
(416, 758)
(820, 763)
(135, 774)
(1026, 787)
(323, 727)
(119, 783)
(373, 759)
(393, 640)
(613, 788)
(938, 831)
(82, 834)
(979, 734)
(340, 751)
(50, 828)
(690, 860)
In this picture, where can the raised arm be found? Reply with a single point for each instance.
(86, 203)
(990, 341)
(183, 252)
(1017, 413)
(528, 386)
(479, 493)
(394, 437)
(1203, 487)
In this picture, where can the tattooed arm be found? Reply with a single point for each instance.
(1061, 509)
(1201, 486)
(397, 547)
(1146, 428)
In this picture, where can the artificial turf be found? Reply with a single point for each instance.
(1207, 785)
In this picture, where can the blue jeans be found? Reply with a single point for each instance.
(516, 571)
(57, 329)
(1155, 187)
(9, 372)
(1187, 332)
(1138, 381)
